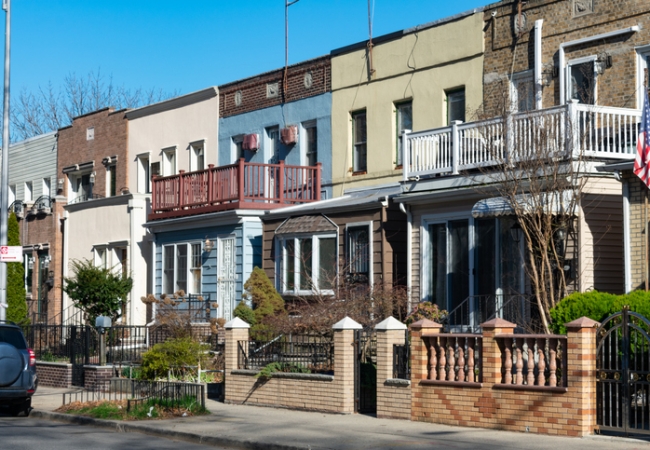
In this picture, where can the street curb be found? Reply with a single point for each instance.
(129, 427)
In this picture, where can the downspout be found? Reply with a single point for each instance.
(626, 235)
(132, 241)
(538, 64)
(64, 259)
(632, 29)
(409, 251)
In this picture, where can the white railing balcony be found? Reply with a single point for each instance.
(579, 130)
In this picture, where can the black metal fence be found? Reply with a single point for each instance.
(173, 394)
(474, 310)
(401, 359)
(311, 353)
(126, 344)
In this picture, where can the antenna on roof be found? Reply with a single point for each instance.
(371, 68)
(287, 3)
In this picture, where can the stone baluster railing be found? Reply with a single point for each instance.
(533, 360)
(454, 358)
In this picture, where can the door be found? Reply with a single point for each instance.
(226, 276)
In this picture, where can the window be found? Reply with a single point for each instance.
(111, 181)
(29, 192)
(455, 105)
(120, 257)
(100, 258)
(12, 193)
(46, 187)
(177, 270)
(643, 75)
(29, 271)
(81, 187)
(358, 258)
(308, 264)
(144, 179)
(522, 91)
(273, 144)
(90, 133)
(403, 121)
(197, 156)
(169, 161)
(311, 143)
(195, 269)
(582, 80)
(359, 136)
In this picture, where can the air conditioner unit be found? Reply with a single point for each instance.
(289, 135)
(251, 142)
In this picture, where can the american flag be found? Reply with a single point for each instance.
(642, 160)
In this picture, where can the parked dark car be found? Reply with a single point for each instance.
(18, 379)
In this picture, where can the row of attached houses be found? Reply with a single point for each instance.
(373, 163)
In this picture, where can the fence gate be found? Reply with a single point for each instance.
(79, 342)
(365, 380)
(623, 373)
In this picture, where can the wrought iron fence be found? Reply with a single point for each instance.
(49, 342)
(309, 352)
(401, 359)
(126, 344)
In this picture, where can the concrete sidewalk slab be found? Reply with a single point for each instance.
(253, 427)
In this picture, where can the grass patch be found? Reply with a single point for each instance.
(145, 410)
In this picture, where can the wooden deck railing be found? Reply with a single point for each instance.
(574, 129)
(242, 185)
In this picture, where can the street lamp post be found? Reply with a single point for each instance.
(4, 174)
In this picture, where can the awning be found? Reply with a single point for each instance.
(556, 203)
(306, 224)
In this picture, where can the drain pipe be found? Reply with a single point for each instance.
(626, 234)
(409, 251)
(632, 29)
(538, 64)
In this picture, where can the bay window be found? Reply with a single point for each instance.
(308, 264)
(182, 265)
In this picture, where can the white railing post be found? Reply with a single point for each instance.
(510, 138)
(573, 144)
(455, 146)
(406, 155)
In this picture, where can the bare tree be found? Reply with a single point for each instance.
(50, 108)
(538, 170)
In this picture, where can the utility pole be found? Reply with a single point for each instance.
(4, 174)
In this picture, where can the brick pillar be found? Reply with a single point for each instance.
(492, 353)
(236, 330)
(419, 351)
(581, 372)
(389, 332)
(344, 361)
(393, 395)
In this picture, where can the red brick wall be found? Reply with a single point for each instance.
(54, 374)
(254, 94)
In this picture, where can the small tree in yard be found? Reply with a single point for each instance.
(97, 291)
(267, 302)
(17, 305)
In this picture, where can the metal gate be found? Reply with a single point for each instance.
(365, 380)
(623, 373)
(81, 342)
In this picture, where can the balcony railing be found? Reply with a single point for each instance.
(243, 185)
(574, 129)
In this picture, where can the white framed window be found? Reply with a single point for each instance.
(197, 156)
(272, 145)
(403, 121)
(101, 259)
(169, 161)
(47, 189)
(119, 261)
(308, 264)
(522, 91)
(29, 192)
(643, 73)
(358, 253)
(182, 268)
(237, 148)
(81, 187)
(359, 142)
(90, 133)
(455, 100)
(582, 80)
(144, 177)
(12, 193)
(310, 143)
(111, 180)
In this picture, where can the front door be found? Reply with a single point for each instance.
(226, 276)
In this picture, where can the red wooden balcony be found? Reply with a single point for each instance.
(243, 185)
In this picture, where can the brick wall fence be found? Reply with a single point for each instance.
(54, 374)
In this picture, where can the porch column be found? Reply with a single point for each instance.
(419, 364)
(492, 360)
(236, 330)
(581, 373)
(344, 361)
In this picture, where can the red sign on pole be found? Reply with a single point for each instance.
(11, 253)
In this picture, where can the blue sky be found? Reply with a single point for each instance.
(187, 45)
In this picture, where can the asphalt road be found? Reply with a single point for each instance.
(24, 433)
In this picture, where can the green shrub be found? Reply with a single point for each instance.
(17, 306)
(638, 301)
(267, 302)
(274, 367)
(425, 310)
(174, 354)
(245, 313)
(595, 305)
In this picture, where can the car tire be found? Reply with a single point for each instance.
(11, 364)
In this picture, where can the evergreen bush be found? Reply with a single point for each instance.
(267, 302)
(16, 295)
(593, 304)
(175, 355)
(245, 313)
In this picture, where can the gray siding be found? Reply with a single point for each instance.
(32, 161)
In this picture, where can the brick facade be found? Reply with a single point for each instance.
(638, 239)
(54, 374)
(306, 79)
(393, 396)
(616, 86)
(98, 378)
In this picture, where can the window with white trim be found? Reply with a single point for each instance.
(12, 193)
(359, 253)
(81, 188)
(46, 187)
(29, 191)
(100, 257)
(111, 180)
(144, 177)
(309, 264)
(197, 156)
(403, 121)
(582, 80)
(169, 161)
(643, 75)
(359, 142)
(522, 91)
(182, 264)
(310, 142)
(455, 100)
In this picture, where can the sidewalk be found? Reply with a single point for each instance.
(253, 427)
